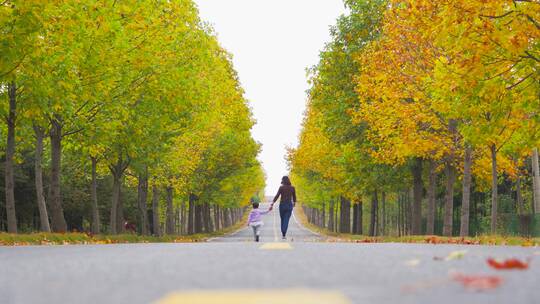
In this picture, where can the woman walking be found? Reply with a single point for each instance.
(286, 205)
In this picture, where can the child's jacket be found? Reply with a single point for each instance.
(255, 216)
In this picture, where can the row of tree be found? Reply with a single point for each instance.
(113, 103)
(410, 98)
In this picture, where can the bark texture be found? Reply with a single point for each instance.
(155, 211)
(430, 228)
(40, 196)
(331, 217)
(120, 219)
(536, 180)
(416, 220)
(494, 190)
(345, 216)
(383, 219)
(58, 220)
(169, 224)
(10, 152)
(93, 193)
(191, 214)
(519, 196)
(142, 202)
(374, 217)
(449, 200)
(117, 172)
(466, 200)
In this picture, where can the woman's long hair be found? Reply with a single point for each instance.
(285, 181)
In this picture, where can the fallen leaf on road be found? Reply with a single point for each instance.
(412, 263)
(454, 255)
(433, 240)
(507, 264)
(478, 282)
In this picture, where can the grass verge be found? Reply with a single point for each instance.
(77, 238)
(418, 239)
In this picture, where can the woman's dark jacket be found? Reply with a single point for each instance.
(288, 194)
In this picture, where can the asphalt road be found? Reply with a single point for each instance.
(237, 270)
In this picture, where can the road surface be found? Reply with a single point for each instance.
(237, 270)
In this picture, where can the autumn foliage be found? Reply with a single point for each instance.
(118, 108)
(416, 102)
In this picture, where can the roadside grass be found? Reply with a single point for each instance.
(418, 239)
(78, 238)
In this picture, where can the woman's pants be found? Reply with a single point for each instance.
(285, 211)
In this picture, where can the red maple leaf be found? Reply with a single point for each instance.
(508, 264)
(478, 282)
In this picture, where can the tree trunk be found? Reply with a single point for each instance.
(58, 220)
(169, 226)
(120, 219)
(10, 153)
(449, 202)
(183, 218)
(345, 215)
(407, 212)
(113, 225)
(142, 202)
(360, 217)
(536, 181)
(519, 196)
(373, 221)
(206, 218)
(226, 217)
(93, 197)
(336, 216)
(217, 223)
(494, 194)
(117, 172)
(331, 216)
(323, 216)
(191, 214)
(400, 215)
(430, 229)
(416, 220)
(357, 218)
(465, 204)
(42, 207)
(383, 222)
(210, 219)
(155, 211)
(232, 213)
(199, 219)
(177, 215)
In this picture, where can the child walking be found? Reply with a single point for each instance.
(255, 220)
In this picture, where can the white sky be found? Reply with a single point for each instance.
(272, 43)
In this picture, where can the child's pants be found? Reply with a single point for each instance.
(256, 229)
